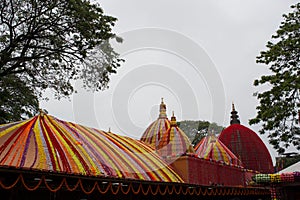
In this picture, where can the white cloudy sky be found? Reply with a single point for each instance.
(208, 62)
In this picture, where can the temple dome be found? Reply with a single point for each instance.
(46, 143)
(211, 148)
(156, 129)
(174, 142)
(246, 145)
(166, 137)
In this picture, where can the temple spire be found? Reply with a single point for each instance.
(162, 109)
(234, 117)
(173, 119)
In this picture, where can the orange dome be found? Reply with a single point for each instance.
(246, 145)
(174, 142)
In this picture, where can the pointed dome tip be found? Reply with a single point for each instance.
(233, 108)
(173, 119)
(162, 109)
(234, 116)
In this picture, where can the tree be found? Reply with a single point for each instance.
(279, 107)
(50, 43)
(17, 101)
(196, 130)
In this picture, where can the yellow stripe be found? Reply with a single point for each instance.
(51, 147)
(41, 149)
(69, 150)
(12, 128)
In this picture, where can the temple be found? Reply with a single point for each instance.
(49, 157)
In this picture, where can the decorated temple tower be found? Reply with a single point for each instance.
(246, 145)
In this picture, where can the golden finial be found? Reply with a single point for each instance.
(173, 119)
(162, 109)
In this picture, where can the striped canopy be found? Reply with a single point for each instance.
(49, 144)
(211, 148)
(174, 142)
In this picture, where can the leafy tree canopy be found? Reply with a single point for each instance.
(49, 44)
(279, 106)
(17, 101)
(196, 130)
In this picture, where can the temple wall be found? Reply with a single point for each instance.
(204, 172)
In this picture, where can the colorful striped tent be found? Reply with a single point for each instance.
(174, 142)
(46, 143)
(155, 130)
(211, 148)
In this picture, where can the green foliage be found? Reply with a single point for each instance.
(50, 43)
(196, 130)
(284, 162)
(279, 106)
(17, 101)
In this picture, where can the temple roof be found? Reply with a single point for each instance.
(211, 148)
(49, 144)
(174, 142)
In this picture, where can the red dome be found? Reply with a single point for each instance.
(248, 147)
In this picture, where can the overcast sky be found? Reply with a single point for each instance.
(198, 55)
